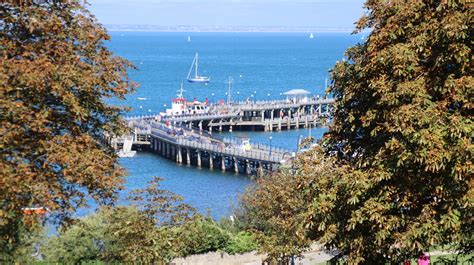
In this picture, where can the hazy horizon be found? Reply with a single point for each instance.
(261, 14)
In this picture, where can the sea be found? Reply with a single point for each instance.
(262, 67)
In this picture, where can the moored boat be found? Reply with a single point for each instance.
(196, 78)
(181, 106)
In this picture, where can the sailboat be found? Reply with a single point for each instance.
(189, 38)
(311, 36)
(196, 78)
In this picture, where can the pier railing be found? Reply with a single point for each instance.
(228, 147)
(234, 108)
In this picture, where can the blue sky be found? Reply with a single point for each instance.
(287, 13)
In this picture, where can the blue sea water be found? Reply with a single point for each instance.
(263, 64)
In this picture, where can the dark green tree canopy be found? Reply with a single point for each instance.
(55, 74)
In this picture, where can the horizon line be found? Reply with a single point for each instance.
(197, 29)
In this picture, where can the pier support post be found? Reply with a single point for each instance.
(259, 169)
(199, 158)
(289, 120)
(236, 165)
(271, 120)
(211, 163)
(248, 169)
(223, 163)
(306, 122)
(263, 115)
(179, 157)
(188, 156)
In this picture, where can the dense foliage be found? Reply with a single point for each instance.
(132, 234)
(395, 174)
(55, 73)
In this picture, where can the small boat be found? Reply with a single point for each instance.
(311, 36)
(189, 38)
(196, 78)
(141, 98)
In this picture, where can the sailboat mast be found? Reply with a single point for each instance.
(229, 91)
(196, 73)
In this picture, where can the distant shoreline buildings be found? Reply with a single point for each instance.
(184, 28)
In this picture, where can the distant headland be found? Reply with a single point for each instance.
(183, 28)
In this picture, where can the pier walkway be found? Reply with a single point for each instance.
(200, 148)
(187, 139)
(255, 115)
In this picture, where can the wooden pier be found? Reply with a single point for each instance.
(200, 148)
(255, 116)
(188, 139)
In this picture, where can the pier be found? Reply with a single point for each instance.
(201, 149)
(188, 138)
(255, 116)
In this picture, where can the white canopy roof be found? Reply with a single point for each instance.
(295, 92)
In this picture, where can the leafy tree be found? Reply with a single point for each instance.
(395, 174)
(201, 235)
(55, 74)
(156, 230)
(162, 206)
(274, 212)
(83, 241)
(240, 243)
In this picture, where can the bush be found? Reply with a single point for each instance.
(201, 235)
(242, 242)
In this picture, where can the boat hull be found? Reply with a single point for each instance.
(199, 80)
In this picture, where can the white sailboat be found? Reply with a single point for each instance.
(189, 38)
(196, 78)
(311, 36)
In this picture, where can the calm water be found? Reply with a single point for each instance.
(265, 63)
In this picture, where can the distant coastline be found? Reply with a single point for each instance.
(158, 28)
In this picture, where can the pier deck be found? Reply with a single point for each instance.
(200, 148)
(188, 138)
(258, 115)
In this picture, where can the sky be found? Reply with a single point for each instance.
(247, 13)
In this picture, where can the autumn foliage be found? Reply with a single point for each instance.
(394, 177)
(55, 75)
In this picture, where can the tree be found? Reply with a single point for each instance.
(164, 207)
(56, 75)
(156, 230)
(400, 172)
(276, 213)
